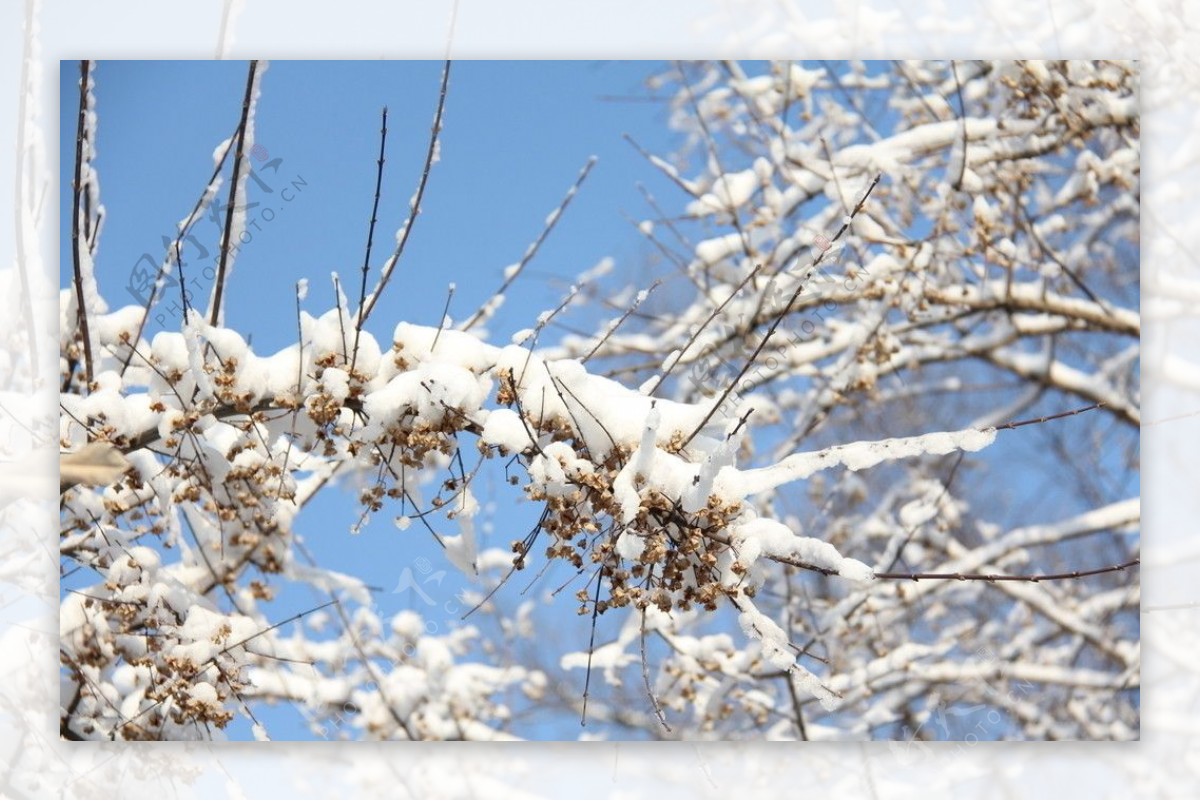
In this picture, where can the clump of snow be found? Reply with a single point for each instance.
(121, 324)
(504, 429)
(712, 251)
(770, 538)
(605, 413)
(729, 192)
(802, 81)
(416, 343)
(630, 545)
(429, 392)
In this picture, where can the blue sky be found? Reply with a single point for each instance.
(516, 135)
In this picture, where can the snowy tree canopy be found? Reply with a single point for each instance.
(854, 455)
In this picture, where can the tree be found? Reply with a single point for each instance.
(908, 288)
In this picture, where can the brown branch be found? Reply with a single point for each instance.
(212, 661)
(962, 112)
(223, 262)
(1047, 418)
(1073, 574)
(85, 79)
(362, 294)
(610, 330)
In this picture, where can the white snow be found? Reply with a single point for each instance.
(729, 192)
(711, 251)
(777, 651)
(630, 545)
(732, 483)
(505, 429)
(765, 537)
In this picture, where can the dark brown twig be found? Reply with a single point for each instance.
(1048, 418)
(658, 710)
(85, 80)
(611, 329)
(1071, 574)
(587, 681)
(362, 293)
(442, 319)
(700, 329)
(435, 134)
(214, 316)
(962, 111)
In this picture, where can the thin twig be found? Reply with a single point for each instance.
(587, 681)
(85, 79)
(962, 111)
(912, 530)
(339, 298)
(658, 710)
(442, 319)
(518, 562)
(362, 293)
(837, 183)
(696, 334)
(214, 317)
(666, 169)
(1072, 574)
(545, 318)
(1048, 418)
(666, 220)
(611, 329)
(710, 144)
(435, 134)
(1062, 265)
(560, 388)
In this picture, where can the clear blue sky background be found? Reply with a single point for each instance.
(515, 136)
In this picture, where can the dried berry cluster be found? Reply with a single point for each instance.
(678, 565)
(144, 636)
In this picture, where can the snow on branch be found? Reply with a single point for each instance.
(854, 456)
